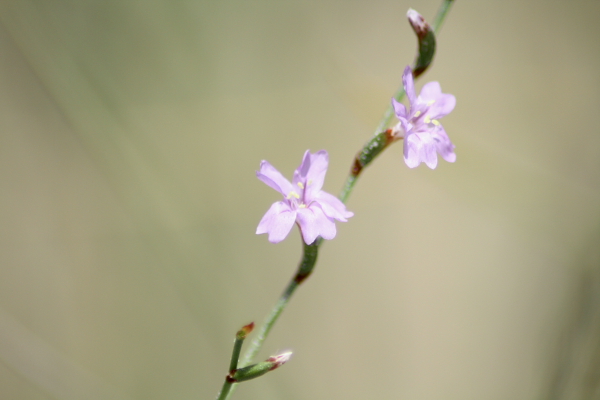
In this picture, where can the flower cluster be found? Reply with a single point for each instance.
(419, 126)
(315, 211)
(303, 201)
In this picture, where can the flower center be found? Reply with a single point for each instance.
(297, 199)
(421, 117)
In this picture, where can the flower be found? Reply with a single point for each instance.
(303, 201)
(420, 126)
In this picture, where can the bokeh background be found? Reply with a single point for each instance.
(129, 136)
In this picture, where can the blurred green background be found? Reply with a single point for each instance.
(129, 136)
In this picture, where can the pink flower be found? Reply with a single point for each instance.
(303, 201)
(420, 127)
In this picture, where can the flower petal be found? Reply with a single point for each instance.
(333, 207)
(314, 223)
(399, 109)
(430, 154)
(430, 91)
(441, 104)
(443, 145)
(311, 173)
(409, 86)
(269, 175)
(316, 175)
(277, 222)
(411, 151)
(302, 170)
(420, 147)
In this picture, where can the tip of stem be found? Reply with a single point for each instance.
(418, 23)
(245, 331)
(279, 359)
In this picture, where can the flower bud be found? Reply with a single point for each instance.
(245, 331)
(426, 40)
(418, 23)
(259, 369)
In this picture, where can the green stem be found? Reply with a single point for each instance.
(441, 15)
(269, 322)
(309, 258)
(348, 186)
(235, 356)
(240, 336)
(225, 390)
(305, 268)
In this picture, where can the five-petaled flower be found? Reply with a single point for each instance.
(303, 201)
(420, 127)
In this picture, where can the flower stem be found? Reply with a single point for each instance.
(305, 268)
(225, 390)
(309, 258)
(235, 355)
(268, 323)
(348, 186)
(441, 15)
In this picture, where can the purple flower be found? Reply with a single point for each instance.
(420, 127)
(303, 201)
